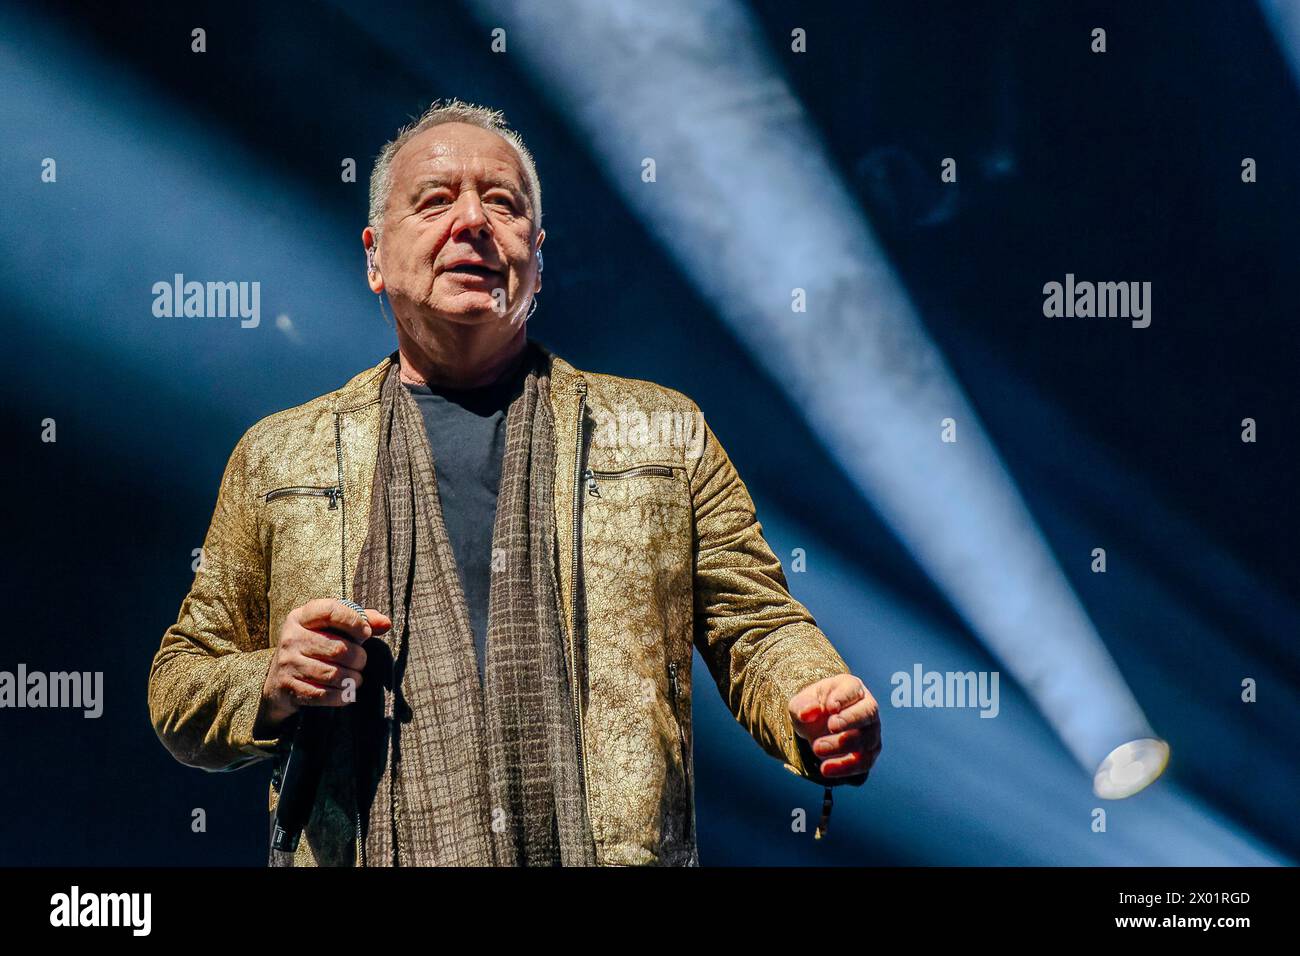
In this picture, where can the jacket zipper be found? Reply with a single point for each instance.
(332, 493)
(593, 489)
(681, 729)
(575, 589)
(343, 590)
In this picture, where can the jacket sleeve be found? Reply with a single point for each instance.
(760, 644)
(205, 685)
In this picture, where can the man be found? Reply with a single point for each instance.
(534, 572)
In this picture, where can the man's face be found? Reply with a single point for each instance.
(457, 233)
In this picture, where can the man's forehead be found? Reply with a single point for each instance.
(456, 148)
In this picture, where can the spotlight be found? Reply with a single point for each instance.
(1130, 767)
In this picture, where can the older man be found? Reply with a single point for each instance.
(534, 573)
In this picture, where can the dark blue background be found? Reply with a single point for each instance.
(226, 165)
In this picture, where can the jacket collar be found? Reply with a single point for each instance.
(363, 388)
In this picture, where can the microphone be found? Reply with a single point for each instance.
(303, 769)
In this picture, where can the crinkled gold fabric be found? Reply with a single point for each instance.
(671, 561)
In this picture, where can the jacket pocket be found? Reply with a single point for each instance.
(332, 492)
(593, 477)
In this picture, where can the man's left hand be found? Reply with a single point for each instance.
(841, 720)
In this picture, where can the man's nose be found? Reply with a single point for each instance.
(469, 219)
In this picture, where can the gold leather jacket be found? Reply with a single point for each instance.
(656, 535)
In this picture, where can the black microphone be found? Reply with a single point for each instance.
(303, 770)
(302, 773)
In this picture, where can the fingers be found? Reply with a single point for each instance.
(320, 657)
(836, 745)
(815, 705)
(841, 720)
(845, 690)
(333, 615)
(309, 695)
(808, 711)
(330, 631)
(806, 706)
(325, 675)
(331, 650)
(850, 765)
(859, 714)
(849, 752)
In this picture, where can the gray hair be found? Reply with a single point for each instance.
(453, 111)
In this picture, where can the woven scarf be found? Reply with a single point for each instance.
(453, 772)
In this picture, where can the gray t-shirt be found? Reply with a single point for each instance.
(467, 434)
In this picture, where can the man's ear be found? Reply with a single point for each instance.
(374, 278)
(541, 237)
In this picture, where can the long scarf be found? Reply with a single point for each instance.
(454, 772)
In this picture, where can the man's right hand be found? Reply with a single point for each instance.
(320, 648)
